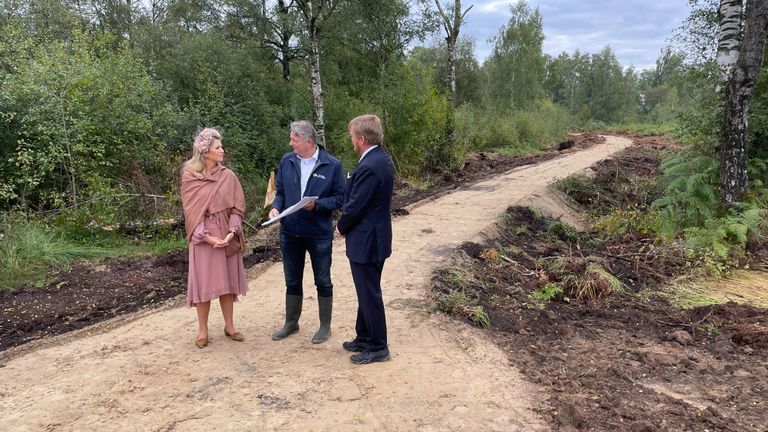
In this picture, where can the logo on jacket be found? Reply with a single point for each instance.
(318, 175)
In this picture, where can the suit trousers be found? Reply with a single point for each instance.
(371, 325)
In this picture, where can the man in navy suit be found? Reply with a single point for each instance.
(307, 171)
(366, 225)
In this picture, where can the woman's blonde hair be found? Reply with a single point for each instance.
(202, 144)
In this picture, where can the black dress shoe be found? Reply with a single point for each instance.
(354, 346)
(366, 357)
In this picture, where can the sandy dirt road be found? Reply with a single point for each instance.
(147, 375)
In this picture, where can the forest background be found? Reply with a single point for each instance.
(100, 101)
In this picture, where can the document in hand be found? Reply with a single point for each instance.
(292, 209)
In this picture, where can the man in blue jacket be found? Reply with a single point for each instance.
(307, 171)
(366, 225)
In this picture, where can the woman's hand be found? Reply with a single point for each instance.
(216, 242)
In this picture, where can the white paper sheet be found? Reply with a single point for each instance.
(292, 209)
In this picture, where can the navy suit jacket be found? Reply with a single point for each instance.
(366, 222)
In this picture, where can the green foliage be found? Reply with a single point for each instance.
(714, 243)
(613, 95)
(83, 123)
(645, 129)
(478, 316)
(716, 235)
(630, 220)
(468, 75)
(690, 195)
(595, 282)
(577, 186)
(563, 231)
(29, 249)
(415, 126)
(447, 303)
(460, 298)
(32, 248)
(517, 133)
(547, 293)
(515, 67)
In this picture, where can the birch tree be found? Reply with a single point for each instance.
(315, 14)
(741, 44)
(452, 21)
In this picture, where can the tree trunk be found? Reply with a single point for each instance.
(451, 47)
(741, 86)
(452, 25)
(285, 57)
(315, 13)
(316, 85)
(728, 36)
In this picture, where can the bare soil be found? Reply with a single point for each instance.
(613, 359)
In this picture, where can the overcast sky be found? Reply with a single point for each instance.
(636, 30)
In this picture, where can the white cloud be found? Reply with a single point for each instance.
(495, 6)
(637, 30)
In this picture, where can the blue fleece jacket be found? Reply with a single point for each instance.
(325, 182)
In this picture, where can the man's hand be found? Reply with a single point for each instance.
(310, 206)
(273, 213)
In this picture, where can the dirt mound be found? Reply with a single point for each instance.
(624, 359)
(582, 315)
(89, 293)
(584, 140)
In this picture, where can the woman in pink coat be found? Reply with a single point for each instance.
(214, 207)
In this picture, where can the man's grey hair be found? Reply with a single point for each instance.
(305, 130)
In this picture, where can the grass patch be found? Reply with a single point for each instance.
(519, 151)
(686, 299)
(459, 297)
(642, 128)
(739, 286)
(29, 250)
(549, 292)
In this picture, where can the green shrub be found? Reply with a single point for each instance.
(626, 221)
(478, 316)
(514, 133)
(447, 303)
(547, 293)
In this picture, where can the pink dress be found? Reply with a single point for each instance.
(211, 272)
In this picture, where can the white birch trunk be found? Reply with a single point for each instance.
(315, 13)
(741, 86)
(316, 85)
(728, 36)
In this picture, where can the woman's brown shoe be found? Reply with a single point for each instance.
(236, 336)
(202, 342)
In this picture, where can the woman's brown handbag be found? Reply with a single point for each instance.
(234, 246)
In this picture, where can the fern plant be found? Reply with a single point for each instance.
(690, 182)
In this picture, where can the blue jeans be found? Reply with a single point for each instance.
(294, 250)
